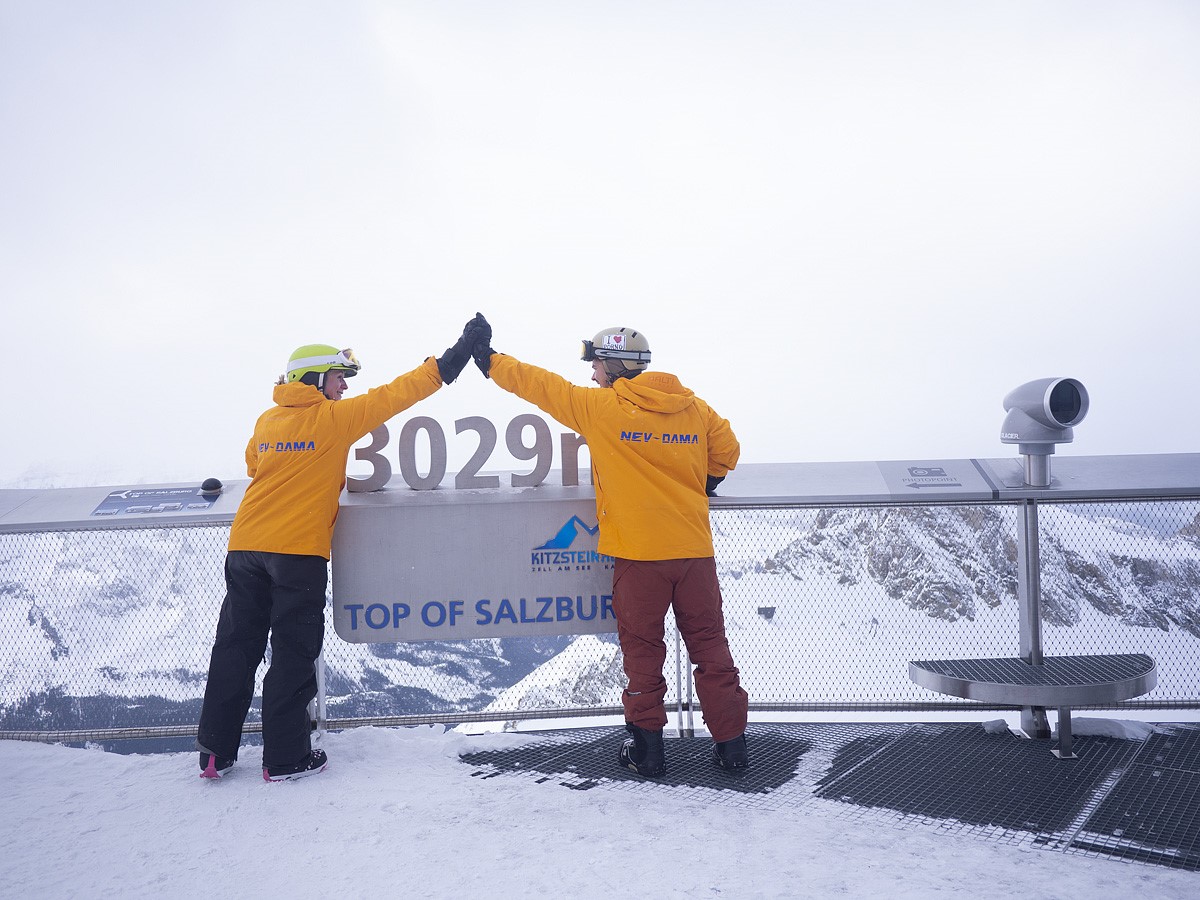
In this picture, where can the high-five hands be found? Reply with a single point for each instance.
(482, 350)
(451, 363)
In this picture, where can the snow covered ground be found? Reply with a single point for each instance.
(397, 814)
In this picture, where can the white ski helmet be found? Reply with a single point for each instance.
(625, 352)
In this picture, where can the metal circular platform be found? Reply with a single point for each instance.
(1057, 681)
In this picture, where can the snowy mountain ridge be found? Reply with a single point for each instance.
(950, 561)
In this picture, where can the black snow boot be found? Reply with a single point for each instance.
(313, 764)
(731, 755)
(643, 753)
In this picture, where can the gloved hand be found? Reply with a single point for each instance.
(451, 363)
(710, 484)
(483, 357)
(482, 351)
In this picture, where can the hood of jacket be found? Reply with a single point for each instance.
(655, 391)
(297, 393)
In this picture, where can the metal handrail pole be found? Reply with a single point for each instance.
(1029, 610)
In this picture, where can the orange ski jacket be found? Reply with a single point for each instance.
(296, 460)
(653, 443)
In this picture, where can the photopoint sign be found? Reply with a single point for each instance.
(453, 565)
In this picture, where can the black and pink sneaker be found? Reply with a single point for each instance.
(312, 764)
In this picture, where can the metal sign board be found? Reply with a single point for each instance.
(151, 501)
(942, 479)
(451, 565)
(117, 507)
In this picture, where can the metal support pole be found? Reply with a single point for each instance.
(1037, 469)
(686, 728)
(1029, 586)
(1064, 750)
(316, 707)
(322, 718)
(691, 702)
(678, 688)
(1029, 606)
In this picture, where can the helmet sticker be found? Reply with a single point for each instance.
(618, 343)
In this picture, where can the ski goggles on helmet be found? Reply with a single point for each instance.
(348, 359)
(590, 353)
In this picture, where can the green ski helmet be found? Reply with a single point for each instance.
(625, 352)
(310, 363)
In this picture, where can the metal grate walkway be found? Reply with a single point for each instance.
(1126, 799)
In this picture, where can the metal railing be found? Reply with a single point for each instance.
(107, 631)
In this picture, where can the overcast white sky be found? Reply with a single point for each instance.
(851, 227)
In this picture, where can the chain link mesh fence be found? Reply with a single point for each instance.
(107, 632)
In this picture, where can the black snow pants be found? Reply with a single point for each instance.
(282, 595)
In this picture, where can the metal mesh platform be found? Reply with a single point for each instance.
(1126, 799)
(995, 782)
(585, 759)
(1151, 813)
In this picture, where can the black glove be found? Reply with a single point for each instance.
(451, 363)
(710, 484)
(483, 357)
(482, 350)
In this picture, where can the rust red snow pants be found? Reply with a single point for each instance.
(643, 591)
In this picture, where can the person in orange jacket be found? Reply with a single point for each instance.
(658, 451)
(276, 568)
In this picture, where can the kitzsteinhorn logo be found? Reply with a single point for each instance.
(559, 553)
